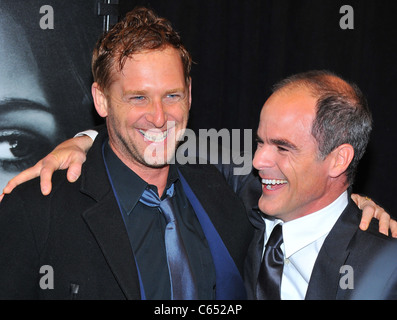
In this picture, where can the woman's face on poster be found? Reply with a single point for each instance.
(28, 128)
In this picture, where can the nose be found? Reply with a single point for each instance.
(157, 115)
(263, 158)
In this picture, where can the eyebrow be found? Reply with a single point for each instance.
(284, 143)
(134, 92)
(258, 139)
(143, 92)
(175, 90)
(279, 142)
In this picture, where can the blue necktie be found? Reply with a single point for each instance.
(271, 270)
(182, 282)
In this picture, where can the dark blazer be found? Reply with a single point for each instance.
(78, 230)
(371, 256)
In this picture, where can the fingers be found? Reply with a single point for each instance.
(25, 175)
(74, 171)
(356, 198)
(68, 155)
(45, 180)
(370, 210)
(393, 228)
(384, 222)
(366, 217)
(50, 164)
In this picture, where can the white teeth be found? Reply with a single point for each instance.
(154, 136)
(273, 181)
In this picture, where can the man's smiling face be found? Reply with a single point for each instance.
(147, 107)
(294, 179)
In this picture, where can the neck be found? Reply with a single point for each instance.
(328, 196)
(154, 176)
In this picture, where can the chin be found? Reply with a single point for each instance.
(266, 208)
(156, 165)
(159, 161)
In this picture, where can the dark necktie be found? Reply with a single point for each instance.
(182, 282)
(271, 270)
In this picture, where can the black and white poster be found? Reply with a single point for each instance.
(45, 77)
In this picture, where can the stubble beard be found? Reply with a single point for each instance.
(133, 154)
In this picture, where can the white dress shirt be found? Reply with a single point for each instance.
(91, 133)
(303, 238)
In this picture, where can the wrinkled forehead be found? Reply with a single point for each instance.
(153, 62)
(287, 114)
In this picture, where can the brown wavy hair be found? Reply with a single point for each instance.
(141, 29)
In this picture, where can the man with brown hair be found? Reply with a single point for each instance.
(133, 226)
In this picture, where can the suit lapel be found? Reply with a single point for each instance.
(254, 254)
(229, 284)
(106, 223)
(214, 195)
(324, 281)
(107, 226)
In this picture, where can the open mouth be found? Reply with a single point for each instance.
(154, 135)
(273, 184)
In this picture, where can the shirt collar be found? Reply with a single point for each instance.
(127, 184)
(303, 231)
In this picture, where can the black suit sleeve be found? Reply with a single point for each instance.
(19, 253)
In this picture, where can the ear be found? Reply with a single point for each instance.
(100, 100)
(190, 92)
(342, 156)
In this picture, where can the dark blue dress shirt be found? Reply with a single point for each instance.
(146, 226)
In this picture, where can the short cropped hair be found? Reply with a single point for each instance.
(140, 30)
(342, 113)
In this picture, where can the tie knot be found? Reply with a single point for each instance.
(276, 237)
(151, 199)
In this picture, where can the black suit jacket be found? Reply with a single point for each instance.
(368, 258)
(78, 230)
